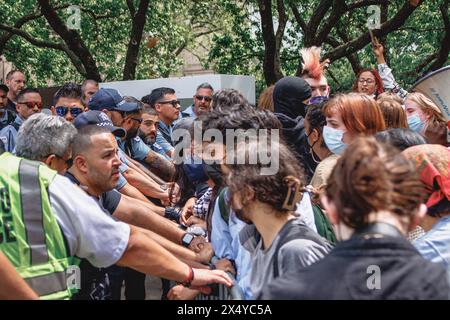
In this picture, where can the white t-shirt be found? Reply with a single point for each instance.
(90, 232)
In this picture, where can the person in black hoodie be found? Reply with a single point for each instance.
(290, 97)
(374, 197)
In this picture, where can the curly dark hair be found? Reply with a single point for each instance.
(271, 189)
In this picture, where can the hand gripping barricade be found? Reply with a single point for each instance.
(221, 292)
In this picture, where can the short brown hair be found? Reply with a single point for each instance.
(370, 177)
(360, 113)
(393, 112)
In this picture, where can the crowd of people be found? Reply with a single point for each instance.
(97, 183)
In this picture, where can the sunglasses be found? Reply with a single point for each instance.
(174, 103)
(201, 98)
(32, 104)
(62, 111)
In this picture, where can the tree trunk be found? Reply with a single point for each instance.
(131, 61)
(72, 40)
(272, 72)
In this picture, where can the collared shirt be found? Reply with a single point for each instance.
(189, 112)
(435, 244)
(11, 106)
(6, 119)
(136, 149)
(165, 132)
(9, 134)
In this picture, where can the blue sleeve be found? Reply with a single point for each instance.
(166, 146)
(121, 182)
(8, 136)
(220, 235)
(140, 149)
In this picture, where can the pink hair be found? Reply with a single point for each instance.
(312, 67)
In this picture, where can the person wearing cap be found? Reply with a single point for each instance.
(149, 214)
(29, 101)
(75, 223)
(128, 115)
(6, 116)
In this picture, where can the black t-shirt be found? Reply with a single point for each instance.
(108, 200)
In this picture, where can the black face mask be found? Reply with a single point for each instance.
(214, 172)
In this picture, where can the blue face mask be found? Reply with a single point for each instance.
(333, 139)
(415, 124)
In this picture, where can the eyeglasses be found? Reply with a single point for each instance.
(32, 104)
(62, 111)
(174, 103)
(201, 98)
(368, 81)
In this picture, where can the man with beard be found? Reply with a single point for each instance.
(149, 129)
(128, 115)
(15, 80)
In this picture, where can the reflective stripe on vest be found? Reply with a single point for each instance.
(30, 192)
(48, 284)
(30, 235)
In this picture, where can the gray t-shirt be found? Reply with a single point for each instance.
(90, 232)
(298, 252)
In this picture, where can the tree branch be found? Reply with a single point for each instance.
(389, 26)
(364, 3)
(332, 20)
(444, 49)
(131, 8)
(46, 44)
(316, 19)
(19, 23)
(72, 40)
(139, 20)
(298, 17)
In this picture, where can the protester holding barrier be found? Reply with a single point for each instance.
(256, 235)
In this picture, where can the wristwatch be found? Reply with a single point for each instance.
(187, 239)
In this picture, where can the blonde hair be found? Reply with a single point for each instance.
(428, 107)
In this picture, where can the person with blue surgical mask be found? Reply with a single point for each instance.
(425, 117)
(349, 116)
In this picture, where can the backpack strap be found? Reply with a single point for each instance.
(223, 207)
(292, 231)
